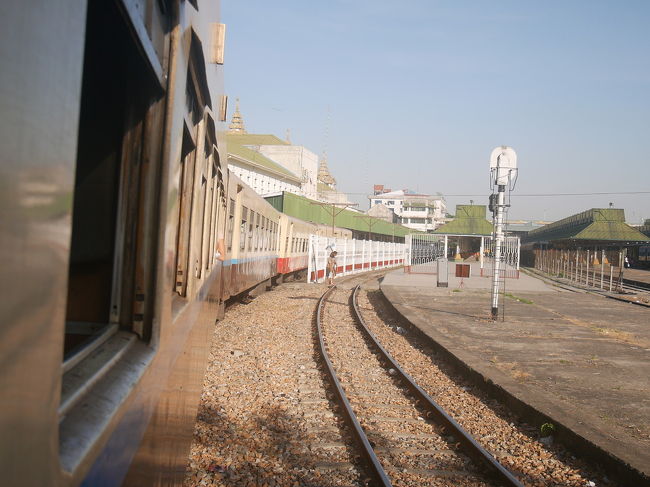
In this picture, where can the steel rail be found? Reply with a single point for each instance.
(471, 446)
(375, 468)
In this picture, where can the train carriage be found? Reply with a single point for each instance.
(251, 239)
(293, 244)
(112, 191)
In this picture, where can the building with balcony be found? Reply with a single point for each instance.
(420, 212)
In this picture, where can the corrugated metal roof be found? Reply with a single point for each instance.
(240, 146)
(601, 224)
(469, 220)
(317, 212)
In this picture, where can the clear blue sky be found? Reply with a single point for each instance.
(420, 92)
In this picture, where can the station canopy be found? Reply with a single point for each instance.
(316, 212)
(598, 226)
(645, 228)
(469, 222)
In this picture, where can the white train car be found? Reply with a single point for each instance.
(293, 243)
(251, 232)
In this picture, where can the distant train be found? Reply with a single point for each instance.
(122, 236)
(640, 255)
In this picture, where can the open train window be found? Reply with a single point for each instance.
(107, 280)
(251, 236)
(242, 229)
(275, 236)
(211, 210)
(117, 86)
(265, 239)
(231, 225)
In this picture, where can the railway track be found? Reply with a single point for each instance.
(404, 437)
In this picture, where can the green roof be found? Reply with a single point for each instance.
(317, 212)
(239, 145)
(645, 228)
(469, 220)
(600, 224)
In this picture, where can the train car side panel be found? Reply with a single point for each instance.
(36, 177)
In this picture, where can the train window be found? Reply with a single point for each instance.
(186, 190)
(258, 235)
(231, 225)
(212, 214)
(202, 207)
(251, 225)
(108, 174)
(265, 231)
(242, 228)
(251, 234)
(262, 233)
(110, 293)
(274, 236)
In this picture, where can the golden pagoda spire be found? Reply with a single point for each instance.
(237, 124)
(324, 175)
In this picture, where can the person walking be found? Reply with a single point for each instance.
(331, 268)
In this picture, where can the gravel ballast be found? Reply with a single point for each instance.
(265, 418)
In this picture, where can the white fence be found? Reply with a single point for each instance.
(510, 256)
(353, 256)
(422, 250)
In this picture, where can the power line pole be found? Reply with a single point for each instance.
(332, 209)
(371, 222)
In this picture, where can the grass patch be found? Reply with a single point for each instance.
(456, 291)
(520, 300)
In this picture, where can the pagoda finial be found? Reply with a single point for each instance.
(324, 175)
(237, 124)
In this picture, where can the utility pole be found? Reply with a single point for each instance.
(503, 172)
(332, 209)
(371, 222)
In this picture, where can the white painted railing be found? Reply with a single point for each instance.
(352, 256)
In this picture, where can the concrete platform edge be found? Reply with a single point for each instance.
(576, 443)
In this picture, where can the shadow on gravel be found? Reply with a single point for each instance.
(267, 448)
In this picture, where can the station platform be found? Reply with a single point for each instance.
(579, 359)
(637, 275)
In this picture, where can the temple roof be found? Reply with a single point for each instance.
(324, 175)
